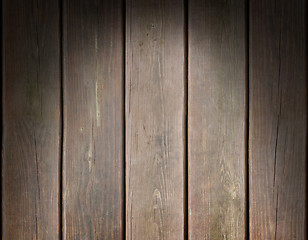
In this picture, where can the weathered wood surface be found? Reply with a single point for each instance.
(93, 160)
(31, 120)
(155, 119)
(216, 119)
(278, 119)
(167, 83)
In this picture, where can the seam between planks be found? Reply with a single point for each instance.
(306, 76)
(2, 81)
(247, 27)
(124, 116)
(61, 121)
(186, 52)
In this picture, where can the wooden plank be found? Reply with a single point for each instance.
(278, 119)
(93, 158)
(216, 119)
(31, 120)
(155, 134)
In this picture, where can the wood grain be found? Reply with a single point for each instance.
(31, 120)
(155, 134)
(93, 157)
(278, 119)
(216, 119)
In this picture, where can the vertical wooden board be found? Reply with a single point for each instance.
(155, 134)
(216, 119)
(31, 120)
(93, 120)
(278, 119)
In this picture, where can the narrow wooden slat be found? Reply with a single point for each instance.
(216, 119)
(155, 134)
(93, 120)
(278, 119)
(31, 120)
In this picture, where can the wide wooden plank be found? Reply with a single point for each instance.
(31, 120)
(155, 119)
(93, 159)
(278, 119)
(216, 119)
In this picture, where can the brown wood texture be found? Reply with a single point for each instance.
(155, 119)
(93, 157)
(278, 119)
(216, 119)
(31, 120)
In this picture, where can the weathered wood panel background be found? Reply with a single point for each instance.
(170, 120)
